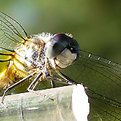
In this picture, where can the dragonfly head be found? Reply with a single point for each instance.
(63, 48)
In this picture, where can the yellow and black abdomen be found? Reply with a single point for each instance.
(11, 70)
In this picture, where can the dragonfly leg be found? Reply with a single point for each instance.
(14, 85)
(66, 78)
(53, 83)
(57, 79)
(34, 84)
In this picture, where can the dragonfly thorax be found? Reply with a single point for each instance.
(31, 54)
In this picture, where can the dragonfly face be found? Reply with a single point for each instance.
(36, 57)
(63, 48)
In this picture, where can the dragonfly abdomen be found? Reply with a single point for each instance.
(10, 76)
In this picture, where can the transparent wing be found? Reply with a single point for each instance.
(11, 32)
(103, 81)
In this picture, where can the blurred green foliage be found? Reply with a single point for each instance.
(96, 24)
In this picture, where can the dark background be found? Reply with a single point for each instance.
(95, 24)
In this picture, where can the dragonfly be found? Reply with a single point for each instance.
(57, 58)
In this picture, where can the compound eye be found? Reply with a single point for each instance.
(60, 37)
(56, 45)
